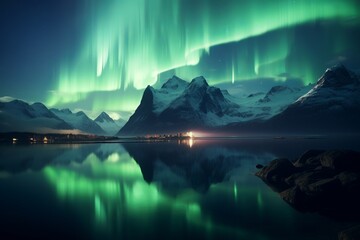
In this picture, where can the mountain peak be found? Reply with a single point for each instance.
(80, 113)
(19, 102)
(174, 83)
(66, 110)
(277, 89)
(199, 81)
(197, 87)
(39, 105)
(337, 76)
(104, 117)
(149, 92)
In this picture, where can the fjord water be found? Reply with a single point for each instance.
(161, 190)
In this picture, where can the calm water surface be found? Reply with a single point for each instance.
(170, 190)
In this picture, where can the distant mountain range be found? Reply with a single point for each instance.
(19, 116)
(332, 105)
(79, 121)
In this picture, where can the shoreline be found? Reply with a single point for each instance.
(58, 138)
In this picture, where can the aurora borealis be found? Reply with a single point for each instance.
(107, 52)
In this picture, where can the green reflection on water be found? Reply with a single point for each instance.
(235, 192)
(116, 191)
(113, 184)
(71, 184)
(99, 210)
(260, 199)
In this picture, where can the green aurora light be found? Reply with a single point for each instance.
(131, 44)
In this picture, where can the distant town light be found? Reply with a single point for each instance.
(190, 134)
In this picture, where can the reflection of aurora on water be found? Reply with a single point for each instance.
(115, 189)
(167, 189)
(132, 44)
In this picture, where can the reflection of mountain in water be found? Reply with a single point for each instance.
(176, 166)
(21, 158)
(172, 165)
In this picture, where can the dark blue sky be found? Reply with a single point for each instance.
(35, 37)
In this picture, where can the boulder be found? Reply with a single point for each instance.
(309, 158)
(294, 196)
(350, 181)
(341, 160)
(277, 170)
(348, 178)
(304, 178)
(350, 234)
(324, 186)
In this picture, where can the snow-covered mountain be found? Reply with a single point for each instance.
(79, 121)
(333, 104)
(337, 88)
(19, 116)
(110, 126)
(181, 106)
(262, 105)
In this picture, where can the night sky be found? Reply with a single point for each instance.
(100, 55)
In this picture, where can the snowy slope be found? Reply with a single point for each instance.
(110, 126)
(331, 106)
(79, 121)
(261, 105)
(202, 104)
(167, 93)
(17, 115)
(338, 88)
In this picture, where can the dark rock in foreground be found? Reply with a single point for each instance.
(327, 182)
(350, 234)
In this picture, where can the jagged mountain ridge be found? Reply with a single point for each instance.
(180, 105)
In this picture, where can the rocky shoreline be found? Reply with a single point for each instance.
(327, 182)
